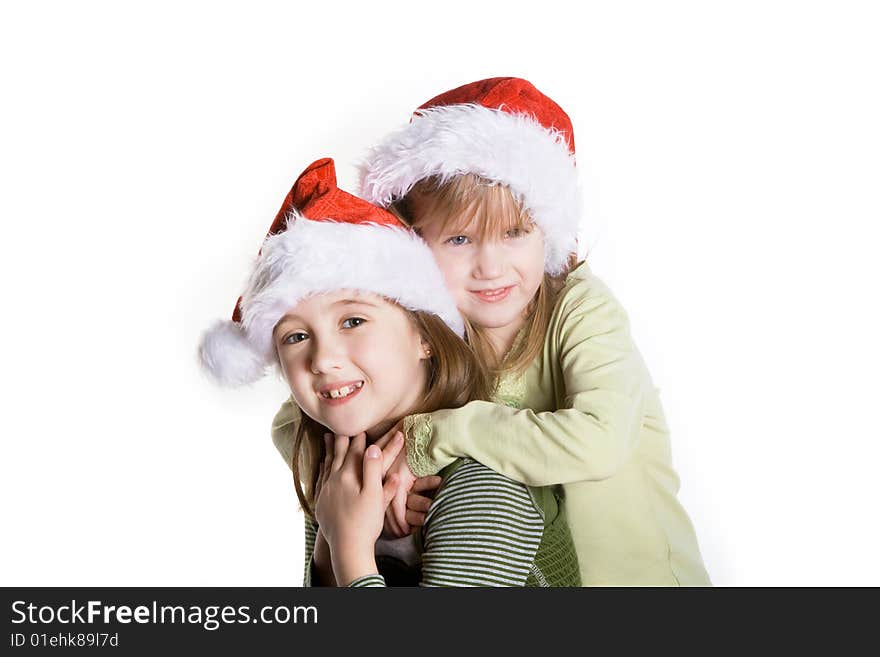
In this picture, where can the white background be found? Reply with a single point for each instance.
(729, 156)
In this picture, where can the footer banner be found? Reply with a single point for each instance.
(268, 621)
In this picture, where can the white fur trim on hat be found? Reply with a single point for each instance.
(312, 257)
(512, 149)
(228, 357)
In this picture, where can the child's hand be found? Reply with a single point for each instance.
(351, 505)
(417, 505)
(395, 516)
(391, 445)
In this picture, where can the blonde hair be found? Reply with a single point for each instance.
(468, 203)
(455, 377)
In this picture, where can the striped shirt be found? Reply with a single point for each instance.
(483, 529)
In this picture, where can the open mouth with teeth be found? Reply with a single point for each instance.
(491, 296)
(344, 391)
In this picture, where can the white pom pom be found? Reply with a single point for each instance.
(228, 357)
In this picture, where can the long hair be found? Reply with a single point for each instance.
(455, 377)
(468, 203)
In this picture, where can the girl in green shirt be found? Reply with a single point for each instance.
(485, 173)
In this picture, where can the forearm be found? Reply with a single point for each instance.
(593, 429)
(602, 390)
(537, 449)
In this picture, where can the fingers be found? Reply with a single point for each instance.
(356, 448)
(386, 439)
(391, 525)
(372, 469)
(418, 503)
(390, 453)
(389, 489)
(340, 448)
(328, 449)
(327, 463)
(319, 482)
(324, 466)
(416, 509)
(422, 484)
(415, 519)
(398, 506)
(373, 474)
(389, 435)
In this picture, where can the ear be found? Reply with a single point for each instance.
(425, 350)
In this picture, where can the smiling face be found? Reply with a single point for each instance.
(354, 361)
(490, 252)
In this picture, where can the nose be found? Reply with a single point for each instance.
(327, 355)
(489, 262)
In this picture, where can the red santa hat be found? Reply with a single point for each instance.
(323, 239)
(500, 129)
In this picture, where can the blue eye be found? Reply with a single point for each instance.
(458, 240)
(293, 338)
(353, 322)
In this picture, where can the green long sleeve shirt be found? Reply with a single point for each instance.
(586, 415)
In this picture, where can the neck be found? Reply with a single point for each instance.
(503, 337)
(412, 403)
(374, 433)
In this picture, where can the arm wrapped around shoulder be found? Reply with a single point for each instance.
(600, 403)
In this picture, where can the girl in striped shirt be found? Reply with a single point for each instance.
(351, 307)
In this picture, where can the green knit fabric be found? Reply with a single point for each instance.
(556, 556)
